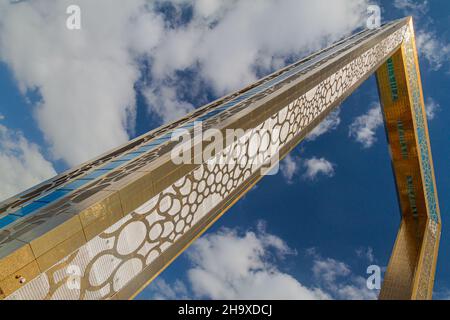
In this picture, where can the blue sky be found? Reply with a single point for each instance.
(310, 231)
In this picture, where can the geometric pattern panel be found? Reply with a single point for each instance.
(141, 231)
(410, 273)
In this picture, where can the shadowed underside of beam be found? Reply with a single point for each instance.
(105, 229)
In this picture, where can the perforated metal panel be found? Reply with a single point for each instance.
(107, 228)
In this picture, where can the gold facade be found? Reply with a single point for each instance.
(114, 218)
(410, 273)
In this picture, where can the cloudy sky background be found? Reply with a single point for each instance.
(311, 231)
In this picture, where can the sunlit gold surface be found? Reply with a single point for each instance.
(410, 273)
(77, 234)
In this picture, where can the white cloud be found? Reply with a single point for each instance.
(229, 264)
(228, 39)
(165, 291)
(357, 290)
(209, 45)
(328, 124)
(336, 278)
(315, 167)
(432, 107)
(435, 51)
(292, 166)
(289, 168)
(329, 269)
(87, 78)
(165, 103)
(21, 163)
(443, 294)
(366, 253)
(363, 129)
(412, 6)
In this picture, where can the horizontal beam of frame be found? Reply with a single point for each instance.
(129, 227)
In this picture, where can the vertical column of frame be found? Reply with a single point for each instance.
(414, 243)
(424, 278)
(394, 97)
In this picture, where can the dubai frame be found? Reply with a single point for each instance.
(107, 228)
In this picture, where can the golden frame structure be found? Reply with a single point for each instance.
(108, 227)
